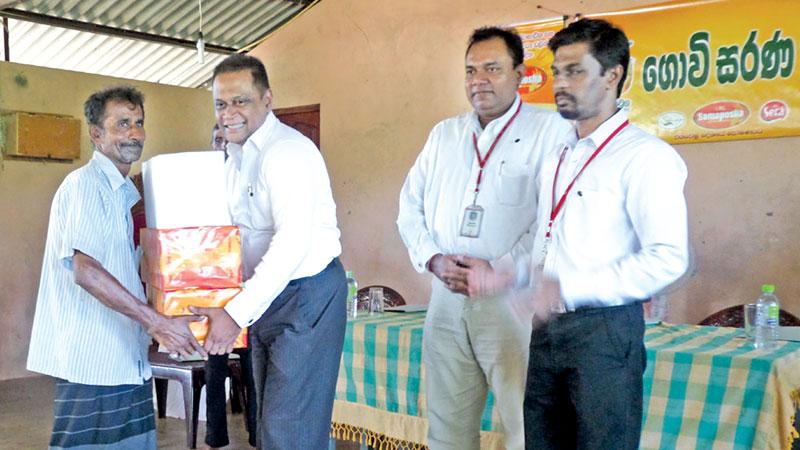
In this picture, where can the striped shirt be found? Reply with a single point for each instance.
(75, 337)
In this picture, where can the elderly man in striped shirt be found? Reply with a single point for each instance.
(92, 326)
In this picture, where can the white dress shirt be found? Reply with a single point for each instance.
(621, 235)
(279, 194)
(441, 185)
(76, 337)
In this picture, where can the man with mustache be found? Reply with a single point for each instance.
(611, 232)
(465, 210)
(92, 326)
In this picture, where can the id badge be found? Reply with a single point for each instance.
(471, 224)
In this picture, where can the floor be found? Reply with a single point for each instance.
(26, 417)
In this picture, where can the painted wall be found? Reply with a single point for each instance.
(386, 72)
(175, 119)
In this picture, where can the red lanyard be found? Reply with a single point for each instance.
(556, 208)
(482, 161)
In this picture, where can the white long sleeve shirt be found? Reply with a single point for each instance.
(441, 185)
(279, 194)
(621, 235)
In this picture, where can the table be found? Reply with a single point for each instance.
(704, 387)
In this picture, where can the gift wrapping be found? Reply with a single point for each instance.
(176, 303)
(199, 257)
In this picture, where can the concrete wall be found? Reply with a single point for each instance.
(386, 72)
(175, 119)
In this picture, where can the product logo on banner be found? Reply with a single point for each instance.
(698, 80)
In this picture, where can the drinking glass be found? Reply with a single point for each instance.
(375, 300)
(750, 317)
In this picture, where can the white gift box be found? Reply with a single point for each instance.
(185, 190)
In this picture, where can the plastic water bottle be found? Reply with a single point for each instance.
(352, 295)
(767, 314)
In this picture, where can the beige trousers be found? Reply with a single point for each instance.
(470, 346)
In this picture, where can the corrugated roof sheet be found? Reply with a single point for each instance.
(227, 24)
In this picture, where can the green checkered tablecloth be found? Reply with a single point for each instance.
(704, 387)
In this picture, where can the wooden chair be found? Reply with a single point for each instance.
(733, 316)
(390, 297)
(192, 377)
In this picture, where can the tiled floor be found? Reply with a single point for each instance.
(26, 418)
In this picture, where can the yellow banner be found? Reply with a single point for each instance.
(700, 71)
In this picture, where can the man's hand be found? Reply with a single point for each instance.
(535, 305)
(446, 268)
(222, 330)
(482, 279)
(174, 334)
(546, 296)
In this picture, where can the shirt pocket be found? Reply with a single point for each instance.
(514, 184)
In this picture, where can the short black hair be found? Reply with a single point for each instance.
(95, 106)
(607, 43)
(511, 38)
(240, 61)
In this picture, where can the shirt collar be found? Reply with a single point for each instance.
(605, 129)
(495, 124)
(107, 168)
(115, 178)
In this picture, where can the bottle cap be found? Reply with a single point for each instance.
(768, 288)
(348, 274)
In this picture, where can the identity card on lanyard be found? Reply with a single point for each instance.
(473, 214)
(555, 208)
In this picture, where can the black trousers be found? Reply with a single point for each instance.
(296, 348)
(584, 385)
(216, 409)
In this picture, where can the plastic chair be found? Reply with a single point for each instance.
(390, 297)
(733, 316)
(191, 376)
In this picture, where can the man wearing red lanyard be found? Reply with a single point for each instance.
(466, 207)
(611, 232)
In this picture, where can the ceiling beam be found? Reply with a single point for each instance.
(103, 29)
(8, 3)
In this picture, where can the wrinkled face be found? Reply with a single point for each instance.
(121, 136)
(491, 79)
(239, 105)
(580, 85)
(218, 141)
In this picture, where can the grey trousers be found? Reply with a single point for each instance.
(584, 387)
(296, 347)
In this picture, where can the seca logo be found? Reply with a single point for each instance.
(774, 110)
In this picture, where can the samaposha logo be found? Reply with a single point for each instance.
(774, 110)
(533, 80)
(721, 115)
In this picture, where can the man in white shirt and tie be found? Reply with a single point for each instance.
(293, 300)
(465, 209)
(612, 232)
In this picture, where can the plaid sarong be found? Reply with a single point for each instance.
(103, 417)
